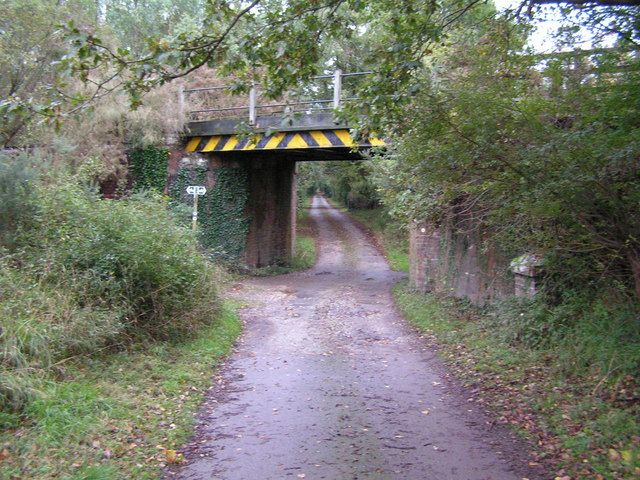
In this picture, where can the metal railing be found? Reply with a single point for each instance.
(318, 98)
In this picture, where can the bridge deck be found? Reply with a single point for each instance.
(307, 137)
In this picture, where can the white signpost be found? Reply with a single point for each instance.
(196, 191)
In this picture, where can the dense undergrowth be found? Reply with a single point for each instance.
(119, 415)
(82, 275)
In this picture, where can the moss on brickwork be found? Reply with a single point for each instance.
(222, 221)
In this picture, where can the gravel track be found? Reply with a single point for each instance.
(329, 382)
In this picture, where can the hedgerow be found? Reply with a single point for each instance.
(82, 274)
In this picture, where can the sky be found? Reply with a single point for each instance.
(546, 24)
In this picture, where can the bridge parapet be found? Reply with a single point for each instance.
(215, 110)
(303, 123)
(298, 122)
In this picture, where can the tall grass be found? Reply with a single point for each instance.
(80, 274)
(589, 335)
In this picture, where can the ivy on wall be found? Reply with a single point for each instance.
(222, 222)
(148, 166)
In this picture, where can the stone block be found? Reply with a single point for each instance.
(527, 270)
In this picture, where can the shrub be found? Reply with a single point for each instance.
(604, 338)
(589, 334)
(91, 274)
(126, 252)
(520, 321)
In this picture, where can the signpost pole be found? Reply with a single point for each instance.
(196, 191)
(194, 217)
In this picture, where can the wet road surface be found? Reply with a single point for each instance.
(328, 382)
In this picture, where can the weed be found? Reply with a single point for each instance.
(67, 411)
(305, 253)
(589, 336)
(86, 275)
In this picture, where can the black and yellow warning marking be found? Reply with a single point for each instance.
(279, 141)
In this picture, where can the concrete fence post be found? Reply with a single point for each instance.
(527, 271)
(252, 104)
(337, 88)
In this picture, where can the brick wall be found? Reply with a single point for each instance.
(458, 258)
(424, 256)
(271, 209)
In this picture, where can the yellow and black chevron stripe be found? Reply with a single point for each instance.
(279, 141)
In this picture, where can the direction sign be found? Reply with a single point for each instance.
(196, 190)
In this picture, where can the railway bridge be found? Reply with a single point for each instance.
(263, 140)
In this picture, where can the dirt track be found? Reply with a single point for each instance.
(328, 382)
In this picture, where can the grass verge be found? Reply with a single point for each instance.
(582, 429)
(392, 239)
(306, 244)
(121, 416)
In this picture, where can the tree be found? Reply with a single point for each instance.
(542, 150)
(278, 43)
(29, 44)
(34, 52)
(284, 40)
(133, 22)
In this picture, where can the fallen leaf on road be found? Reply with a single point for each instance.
(4, 454)
(173, 457)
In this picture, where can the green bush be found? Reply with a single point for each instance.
(520, 321)
(125, 252)
(603, 337)
(89, 275)
(589, 334)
